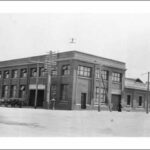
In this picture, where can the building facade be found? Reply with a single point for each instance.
(135, 95)
(76, 82)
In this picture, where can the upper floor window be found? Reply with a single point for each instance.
(128, 99)
(66, 70)
(140, 100)
(33, 72)
(14, 73)
(42, 72)
(54, 72)
(6, 74)
(116, 77)
(97, 73)
(104, 74)
(23, 73)
(84, 71)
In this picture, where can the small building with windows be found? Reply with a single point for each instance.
(78, 81)
(135, 95)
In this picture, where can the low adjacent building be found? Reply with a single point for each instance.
(135, 95)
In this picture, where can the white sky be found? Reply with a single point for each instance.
(121, 36)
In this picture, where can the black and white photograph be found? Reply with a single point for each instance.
(75, 73)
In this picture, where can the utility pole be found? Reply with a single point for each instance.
(99, 100)
(49, 65)
(147, 108)
(48, 88)
(37, 80)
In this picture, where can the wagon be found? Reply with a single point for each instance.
(12, 102)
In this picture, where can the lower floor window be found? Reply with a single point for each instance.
(5, 91)
(22, 91)
(13, 91)
(53, 91)
(102, 95)
(96, 95)
(64, 92)
(128, 99)
(140, 101)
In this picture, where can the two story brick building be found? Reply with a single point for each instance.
(75, 83)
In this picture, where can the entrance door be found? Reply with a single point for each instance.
(32, 98)
(83, 100)
(40, 98)
(116, 99)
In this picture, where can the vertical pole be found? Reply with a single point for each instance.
(36, 92)
(147, 108)
(99, 100)
(49, 80)
(48, 89)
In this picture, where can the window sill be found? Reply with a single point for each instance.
(84, 77)
(116, 82)
(103, 80)
(140, 107)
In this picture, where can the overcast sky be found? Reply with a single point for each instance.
(123, 37)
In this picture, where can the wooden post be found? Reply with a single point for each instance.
(99, 100)
(49, 68)
(48, 90)
(36, 91)
(147, 106)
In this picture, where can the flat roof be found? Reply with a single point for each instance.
(66, 56)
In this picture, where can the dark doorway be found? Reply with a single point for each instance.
(40, 98)
(83, 100)
(116, 99)
(32, 98)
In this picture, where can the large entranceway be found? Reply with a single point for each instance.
(83, 100)
(116, 99)
(40, 98)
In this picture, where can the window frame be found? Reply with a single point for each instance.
(84, 71)
(66, 71)
(140, 103)
(42, 72)
(5, 75)
(129, 95)
(53, 72)
(5, 92)
(116, 77)
(102, 95)
(14, 75)
(22, 73)
(32, 73)
(104, 74)
(22, 93)
(64, 91)
(13, 91)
